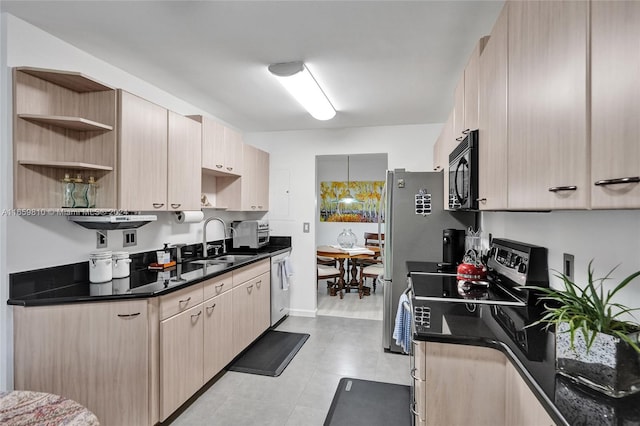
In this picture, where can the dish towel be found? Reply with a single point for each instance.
(402, 329)
(286, 271)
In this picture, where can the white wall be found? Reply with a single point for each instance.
(362, 167)
(293, 160)
(36, 242)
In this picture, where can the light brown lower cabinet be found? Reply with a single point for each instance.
(94, 353)
(218, 337)
(181, 358)
(470, 385)
(251, 310)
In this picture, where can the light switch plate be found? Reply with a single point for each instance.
(101, 239)
(129, 238)
(306, 227)
(567, 265)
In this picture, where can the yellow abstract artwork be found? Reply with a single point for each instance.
(364, 208)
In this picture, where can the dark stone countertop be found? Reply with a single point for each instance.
(70, 283)
(532, 352)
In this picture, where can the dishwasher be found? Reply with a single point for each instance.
(280, 295)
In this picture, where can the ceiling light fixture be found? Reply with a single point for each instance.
(348, 199)
(298, 81)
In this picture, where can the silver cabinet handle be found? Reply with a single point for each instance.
(157, 205)
(413, 370)
(175, 206)
(210, 308)
(218, 166)
(229, 168)
(466, 131)
(258, 283)
(631, 179)
(563, 188)
(185, 301)
(253, 207)
(412, 407)
(196, 316)
(129, 315)
(481, 200)
(219, 287)
(459, 139)
(249, 288)
(260, 207)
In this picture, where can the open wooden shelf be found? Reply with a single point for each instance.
(75, 81)
(73, 123)
(65, 165)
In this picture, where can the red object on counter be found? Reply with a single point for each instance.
(469, 271)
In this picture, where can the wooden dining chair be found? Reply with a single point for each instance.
(371, 268)
(326, 272)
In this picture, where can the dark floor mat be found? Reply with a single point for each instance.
(270, 354)
(367, 403)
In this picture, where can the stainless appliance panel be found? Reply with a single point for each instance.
(411, 236)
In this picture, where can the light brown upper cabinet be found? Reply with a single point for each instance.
(465, 107)
(251, 191)
(221, 148)
(492, 146)
(458, 125)
(184, 162)
(64, 123)
(142, 183)
(615, 104)
(447, 142)
(547, 105)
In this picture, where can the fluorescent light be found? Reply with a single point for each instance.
(296, 78)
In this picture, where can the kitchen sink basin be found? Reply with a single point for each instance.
(226, 258)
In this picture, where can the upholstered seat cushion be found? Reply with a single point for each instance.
(375, 269)
(327, 271)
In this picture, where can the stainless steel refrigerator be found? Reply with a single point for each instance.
(413, 212)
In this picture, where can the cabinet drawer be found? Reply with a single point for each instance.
(179, 301)
(244, 274)
(218, 285)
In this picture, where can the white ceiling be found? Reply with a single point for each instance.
(380, 62)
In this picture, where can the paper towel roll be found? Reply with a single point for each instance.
(189, 216)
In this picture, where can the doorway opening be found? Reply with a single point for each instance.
(361, 177)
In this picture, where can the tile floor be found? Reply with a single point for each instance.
(301, 396)
(369, 307)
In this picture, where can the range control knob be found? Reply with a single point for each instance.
(522, 268)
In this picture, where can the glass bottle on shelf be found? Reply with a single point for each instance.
(79, 193)
(68, 186)
(92, 192)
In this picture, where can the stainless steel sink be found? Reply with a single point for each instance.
(226, 258)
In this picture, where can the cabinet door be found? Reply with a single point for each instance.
(218, 338)
(243, 315)
(615, 103)
(142, 183)
(471, 87)
(262, 180)
(94, 353)
(458, 108)
(460, 374)
(181, 358)
(249, 177)
(547, 105)
(492, 147)
(232, 151)
(213, 148)
(522, 406)
(448, 144)
(262, 310)
(185, 159)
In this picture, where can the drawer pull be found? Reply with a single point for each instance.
(210, 308)
(196, 316)
(249, 288)
(631, 179)
(219, 285)
(175, 206)
(129, 315)
(258, 283)
(481, 200)
(563, 188)
(460, 139)
(157, 205)
(229, 168)
(185, 301)
(218, 166)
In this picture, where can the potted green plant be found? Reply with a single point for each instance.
(594, 344)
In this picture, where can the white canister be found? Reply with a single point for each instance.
(121, 263)
(100, 266)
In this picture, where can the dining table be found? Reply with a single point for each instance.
(354, 255)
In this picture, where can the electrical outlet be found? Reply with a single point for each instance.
(567, 265)
(129, 238)
(101, 239)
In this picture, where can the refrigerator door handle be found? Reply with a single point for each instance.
(387, 327)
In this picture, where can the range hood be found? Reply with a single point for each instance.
(108, 222)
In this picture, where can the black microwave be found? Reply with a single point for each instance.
(463, 173)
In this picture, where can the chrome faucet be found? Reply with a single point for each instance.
(205, 248)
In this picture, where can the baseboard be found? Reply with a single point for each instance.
(303, 313)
